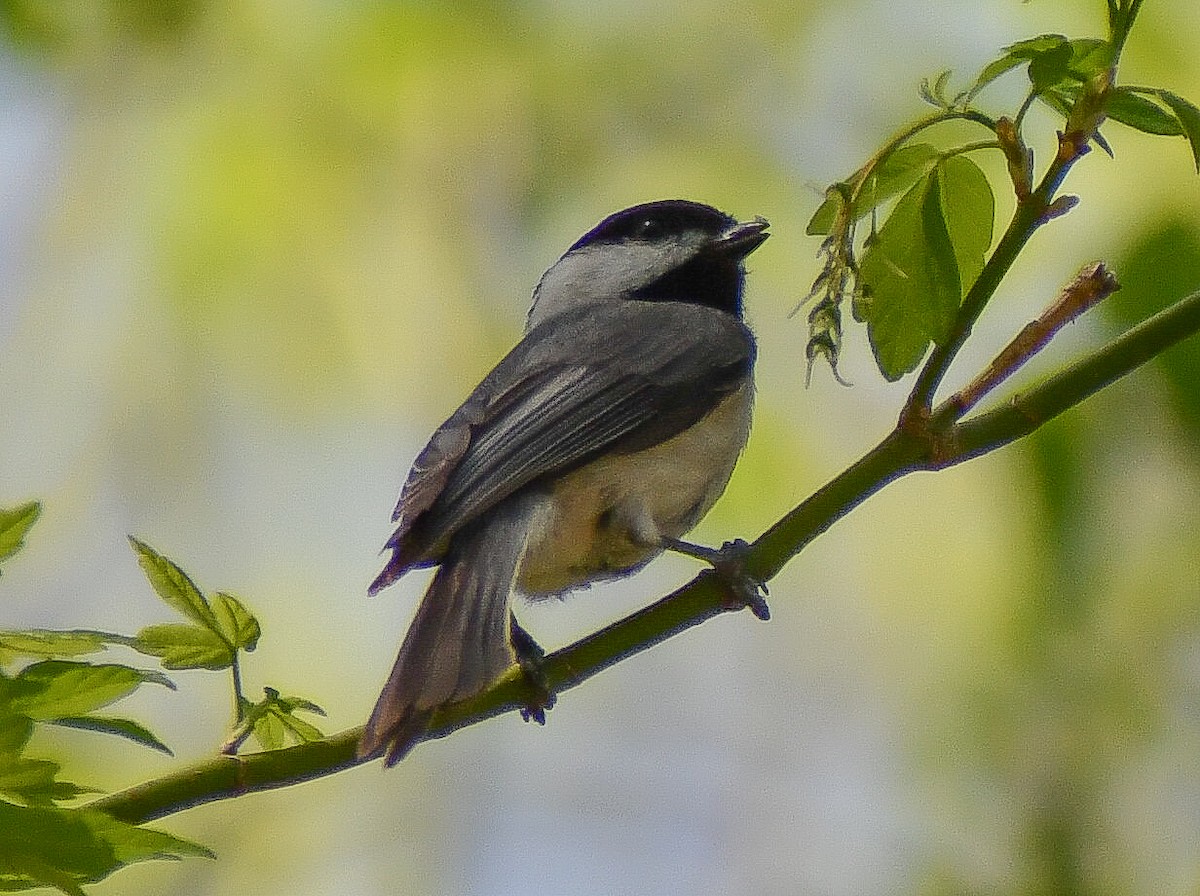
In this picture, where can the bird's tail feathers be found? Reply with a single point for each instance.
(459, 641)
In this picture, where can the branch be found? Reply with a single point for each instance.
(224, 777)
(902, 451)
(1091, 286)
(1026, 412)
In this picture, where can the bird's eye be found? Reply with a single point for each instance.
(648, 229)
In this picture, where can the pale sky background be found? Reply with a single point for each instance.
(250, 261)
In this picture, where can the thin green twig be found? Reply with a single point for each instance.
(901, 451)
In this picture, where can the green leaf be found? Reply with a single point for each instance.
(1141, 113)
(825, 217)
(1189, 119)
(301, 730)
(131, 843)
(29, 781)
(1061, 99)
(1089, 57)
(235, 623)
(273, 721)
(969, 210)
(1050, 67)
(1035, 46)
(46, 643)
(62, 688)
(13, 689)
(15, 523)
(180, 645)
(65, 848)
(909, 280)
(269, 731)
(994, 70)
(126, 728)
(1053, 61)
(897, 172)
(292, 704)
(15, 731)
(173, 585)
(916, 271)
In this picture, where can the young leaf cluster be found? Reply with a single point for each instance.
(43, 843)
(931, 210)
(220, 628)
(43, 682)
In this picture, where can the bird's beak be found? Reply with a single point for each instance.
(743, 238)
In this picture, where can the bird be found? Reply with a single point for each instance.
(595, 444)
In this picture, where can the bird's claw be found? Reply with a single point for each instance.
(529, 657)
(729, 564)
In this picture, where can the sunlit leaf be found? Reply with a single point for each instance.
(15, 731)
(823, 219)
(65, 848)
(945, 286)
(896, 173)
(1051, 58)
(1035, 46)
(299, 703)
(1089, 57)
(269, 731)
(1050, 67)
(994, 70)
(173, 585)
(64, 688)
(126, 728)
(15, 523)
(301, 730)
(1141, 113)
(180, 645)
(926, 255)
(46, 643)
(969, 210)
(235, 623)
(910, 283)
(1189, 119)
(273, 721)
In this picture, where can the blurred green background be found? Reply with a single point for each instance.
(252, 252)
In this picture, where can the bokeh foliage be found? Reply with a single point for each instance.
(293, 187)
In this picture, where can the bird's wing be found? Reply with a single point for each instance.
(566, 393)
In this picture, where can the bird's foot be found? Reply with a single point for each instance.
(729, 565)
(529, 657)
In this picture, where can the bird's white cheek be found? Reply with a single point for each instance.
(609, 518)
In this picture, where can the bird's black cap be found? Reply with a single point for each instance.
(653, 220)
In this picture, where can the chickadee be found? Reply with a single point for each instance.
(601, 438)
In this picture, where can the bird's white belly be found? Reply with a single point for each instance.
(610, 517)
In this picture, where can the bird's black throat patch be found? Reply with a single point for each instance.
(714, 279)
